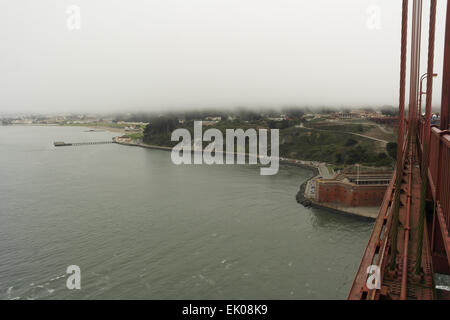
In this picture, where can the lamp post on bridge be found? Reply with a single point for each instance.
(421, 92)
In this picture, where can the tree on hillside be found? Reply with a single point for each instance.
(350, 142)
(294, 113)
(160, 126)
(389, 111)
(391, 148)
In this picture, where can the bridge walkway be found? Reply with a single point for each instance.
(379, 250)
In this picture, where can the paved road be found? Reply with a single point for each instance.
(353, 133)
(324, 172)
(368, 137)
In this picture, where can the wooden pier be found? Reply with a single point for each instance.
(76, 144)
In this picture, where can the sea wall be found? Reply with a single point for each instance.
(301, 199)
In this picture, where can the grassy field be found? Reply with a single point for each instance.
(335, 147)
(136, 135)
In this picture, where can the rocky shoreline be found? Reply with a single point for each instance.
(300, 197)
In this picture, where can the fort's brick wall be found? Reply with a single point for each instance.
(351, 195)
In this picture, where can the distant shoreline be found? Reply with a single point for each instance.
(91, 127)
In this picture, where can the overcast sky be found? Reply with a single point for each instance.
(165, 54)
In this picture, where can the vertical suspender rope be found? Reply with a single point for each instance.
(401, 135)
(427, 134)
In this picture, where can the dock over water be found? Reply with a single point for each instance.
(76, 144)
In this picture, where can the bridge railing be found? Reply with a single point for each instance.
(443, 182)
(433, 170)
(439, 177)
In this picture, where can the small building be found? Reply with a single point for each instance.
(345, 115)
(209, 123)
(124, 138)
(217, 119)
